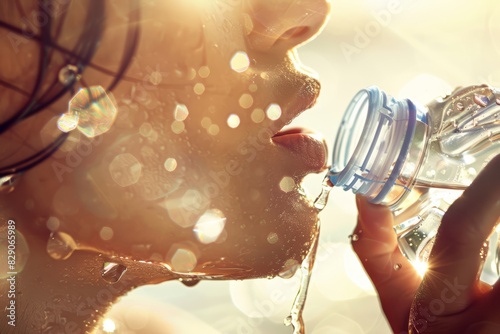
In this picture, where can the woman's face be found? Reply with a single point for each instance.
(195, 173)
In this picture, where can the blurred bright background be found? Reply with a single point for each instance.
(410, 48)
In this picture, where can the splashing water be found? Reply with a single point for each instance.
(322, 199)
(295, 318)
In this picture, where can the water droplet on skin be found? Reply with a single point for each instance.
(68, 75)
(354, 237)
(209, 226)
(481, 100)
(96, 111)
(204, 71)
(397, 266)
(53, 223)
(125, 169)
(272, 238)
(258, 115)
(289, 269)
(233, 121)
(60, 245)
(170, 164)
(189, 282)
(206, 122)
(177, 127)
(287, 184)
(239, 62)
(273, 111)
(145, 129)
(155, 78)
(106, 233)
(112, 272)
(182, 259)
(213, 129)
(199, 88)
(22, 250)
(181, 112)
(245, 101)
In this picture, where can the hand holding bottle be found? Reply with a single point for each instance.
(450, 298)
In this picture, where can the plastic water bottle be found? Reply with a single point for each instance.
(416, 159)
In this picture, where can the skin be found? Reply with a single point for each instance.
(148, 225)
(450, 298)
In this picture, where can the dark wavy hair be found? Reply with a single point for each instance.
(80, 57)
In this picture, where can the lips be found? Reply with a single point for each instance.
(309, 148)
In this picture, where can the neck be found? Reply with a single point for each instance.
(58, 296)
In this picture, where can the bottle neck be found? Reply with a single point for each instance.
(373, 145)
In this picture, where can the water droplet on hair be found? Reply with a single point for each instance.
(96, 111)
(68, 121)
(112, 272)
(460, 106)
(60, 245)
(68, 75)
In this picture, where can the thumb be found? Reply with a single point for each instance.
(392, 275)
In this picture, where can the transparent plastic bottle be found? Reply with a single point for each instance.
(416, 159)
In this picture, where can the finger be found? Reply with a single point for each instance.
(392, 275)
(455, 260)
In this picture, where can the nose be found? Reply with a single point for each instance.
(284, 24)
